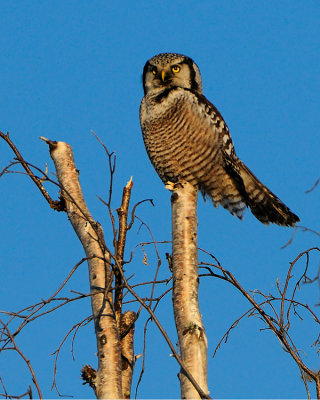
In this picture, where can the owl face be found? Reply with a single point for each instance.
(167, 70)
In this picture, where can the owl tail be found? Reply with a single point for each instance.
(263, 203)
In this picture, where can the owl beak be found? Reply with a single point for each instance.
(163, 75)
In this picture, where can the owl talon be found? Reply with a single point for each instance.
(169, 185)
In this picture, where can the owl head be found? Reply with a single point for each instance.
(168, 70)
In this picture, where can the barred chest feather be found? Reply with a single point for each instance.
(179, 139)
(179, 113)
(160, 106)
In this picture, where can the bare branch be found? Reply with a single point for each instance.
(119, 250)
(57, 352)
(16, 348)
(53, 203)
(112, 167)
(314, 186)
(278, 326)
(166, 337)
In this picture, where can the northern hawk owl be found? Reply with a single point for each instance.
(187, 139)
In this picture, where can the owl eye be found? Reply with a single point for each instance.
(154, 70)
(175, 68)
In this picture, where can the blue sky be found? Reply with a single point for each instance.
(71, 67)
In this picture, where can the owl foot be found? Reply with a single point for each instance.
(169, 185)
(174, 186)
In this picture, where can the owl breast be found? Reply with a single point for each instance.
(179, 140)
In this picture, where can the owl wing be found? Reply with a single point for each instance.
(234, 185)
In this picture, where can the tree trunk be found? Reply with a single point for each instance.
(107, 380)
(127, 353)
(191, 333)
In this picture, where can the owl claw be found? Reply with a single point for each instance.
(169, 185)
(175, 186)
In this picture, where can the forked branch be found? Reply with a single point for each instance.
(55, 204)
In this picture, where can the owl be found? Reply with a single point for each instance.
(187, 139)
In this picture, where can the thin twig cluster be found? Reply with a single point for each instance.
(276, 311)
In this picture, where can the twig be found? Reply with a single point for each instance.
(56, 205)
(314, 186)
(16, 348)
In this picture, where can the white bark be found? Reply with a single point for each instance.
(108, 378)
(191, 333)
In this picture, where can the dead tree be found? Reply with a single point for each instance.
(191, 332)
(114, 328)
(107, 381)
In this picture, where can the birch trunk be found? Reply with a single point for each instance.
(191, 333)
(107, 382)
(127, 353)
